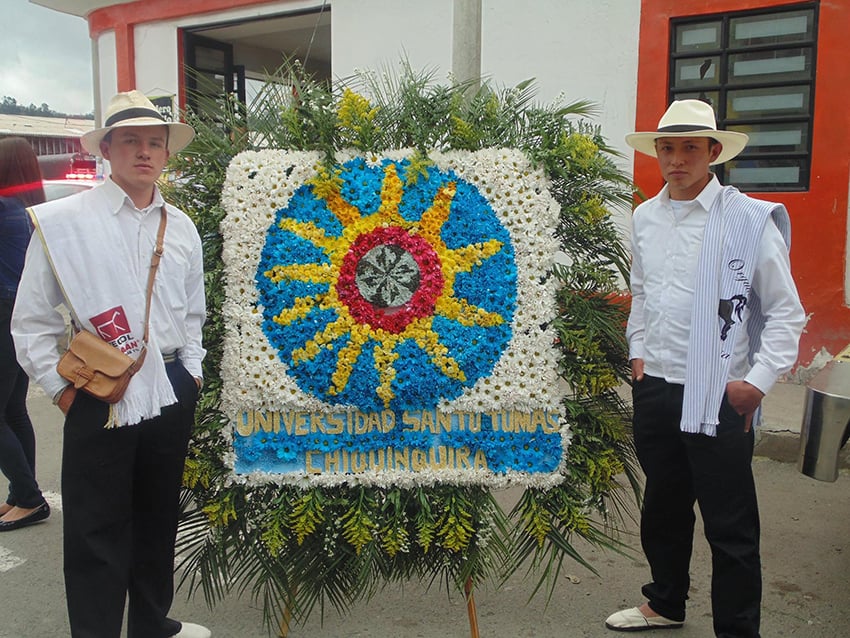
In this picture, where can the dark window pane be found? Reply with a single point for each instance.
(698, 37)
(209, 59)
(755, 174)
(711, 97)
(769, 102)
(791, 137)
(692, 72)
(779, 28)
(770, 66)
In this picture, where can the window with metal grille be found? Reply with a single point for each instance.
(757, 69)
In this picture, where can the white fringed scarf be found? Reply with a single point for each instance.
(723, 297)
(94, 280)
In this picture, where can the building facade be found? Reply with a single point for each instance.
(772, 68)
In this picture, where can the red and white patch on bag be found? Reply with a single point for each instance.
(112, 326)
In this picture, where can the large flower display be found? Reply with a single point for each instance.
(389, 343)
(388, 319)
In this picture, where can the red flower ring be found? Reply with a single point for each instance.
(389, 277)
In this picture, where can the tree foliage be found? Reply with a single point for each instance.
(10, 106)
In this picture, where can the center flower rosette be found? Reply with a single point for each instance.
(387, 319)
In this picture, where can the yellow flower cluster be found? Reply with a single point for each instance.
(455, 527)
(593, 209)
(326, 181)
(306, 515)
(220, 513)
(355, 118)
(537, 522)
(580, 149)
(357, 528)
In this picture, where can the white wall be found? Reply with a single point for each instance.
(156, 58)
(584, 49)
(377, 34)
(107, 73)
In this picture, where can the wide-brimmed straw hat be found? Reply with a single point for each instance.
(134, 109)
(689, 118)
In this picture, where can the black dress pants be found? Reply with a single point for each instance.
(716, 473)
(120, 493)
(17, 438)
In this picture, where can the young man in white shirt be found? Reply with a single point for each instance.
(122, 464)
(715, 321)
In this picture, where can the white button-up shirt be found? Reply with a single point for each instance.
(178, 306)
(665, 255)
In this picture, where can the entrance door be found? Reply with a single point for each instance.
(211, 74)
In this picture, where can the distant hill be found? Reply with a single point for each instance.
(10, 106)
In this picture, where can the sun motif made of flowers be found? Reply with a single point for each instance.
(384, 294)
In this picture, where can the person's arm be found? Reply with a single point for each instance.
(37, 326)
(784, 323)
(192, 354)
(636, 325)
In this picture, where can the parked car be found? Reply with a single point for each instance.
(58, 188)
(68, 173)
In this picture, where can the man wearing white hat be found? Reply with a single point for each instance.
(122, 464)
(715, 321)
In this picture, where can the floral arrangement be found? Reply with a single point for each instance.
(394, 295)
(272, 188)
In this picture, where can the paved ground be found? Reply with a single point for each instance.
(806, 554)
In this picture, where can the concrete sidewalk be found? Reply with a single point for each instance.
(805, 552)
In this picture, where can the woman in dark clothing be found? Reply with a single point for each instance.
(20, 187)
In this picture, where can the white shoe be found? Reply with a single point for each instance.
(634, 620)
(191, 630)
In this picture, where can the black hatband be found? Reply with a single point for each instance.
(129, 114)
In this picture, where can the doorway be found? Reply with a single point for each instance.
(234, 60)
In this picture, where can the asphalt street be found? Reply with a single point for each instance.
(805, 550)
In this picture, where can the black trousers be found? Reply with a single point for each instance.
(716, 473)
(17, 439)
(120, 494)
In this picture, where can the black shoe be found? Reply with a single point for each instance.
(35, 516)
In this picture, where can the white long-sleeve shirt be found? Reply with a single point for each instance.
(178, 306)
(665, 254)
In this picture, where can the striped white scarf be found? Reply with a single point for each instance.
(723, 298)
(95, 283)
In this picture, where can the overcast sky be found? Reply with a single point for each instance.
(46, 58)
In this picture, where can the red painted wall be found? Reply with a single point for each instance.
(819, 215)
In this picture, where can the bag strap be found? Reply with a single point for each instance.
(155, 259)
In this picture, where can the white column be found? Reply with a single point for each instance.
(466, 41)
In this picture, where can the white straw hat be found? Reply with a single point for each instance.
(689, 118)
(134, 109)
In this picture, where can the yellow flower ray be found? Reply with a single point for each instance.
(311, 348)
(429, 341)
(313, 234)
(314, 273)
(391, 191)
(347, 214)
(300, 309)
(473, 255)
(385, 356)
(345, 361)
(432, 220)
(466, 314)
